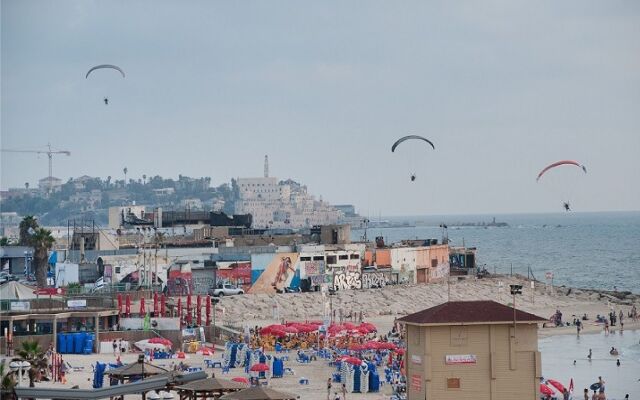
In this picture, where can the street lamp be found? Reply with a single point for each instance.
(515, 289)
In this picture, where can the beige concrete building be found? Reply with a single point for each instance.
(472, 350)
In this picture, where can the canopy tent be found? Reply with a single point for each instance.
(135, 369)
(211, 387)
(259, 393)
(13, 290)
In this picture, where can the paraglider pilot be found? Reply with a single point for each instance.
(106, 101)
(413, 177)
(567, 206)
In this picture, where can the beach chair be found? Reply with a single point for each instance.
(289, 371)
(73, 368)
(225, 369)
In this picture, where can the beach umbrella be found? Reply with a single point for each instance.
(127, 305)
(155, 305)
(199, 310)
(208, 311)
(161, 340)
(556, 384)
(189, 316)
(371, 327)
(353, 360)
(142, 311)
(163, 301)
(546, 390)
(240, 379)
(399, 351)
(259, 367)
(355, 347)
(278, 333)
(349, 326)
(290, 329)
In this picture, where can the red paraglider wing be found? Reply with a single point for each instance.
(559, 163)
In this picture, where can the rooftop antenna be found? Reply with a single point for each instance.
(266, 166)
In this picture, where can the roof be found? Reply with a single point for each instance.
(136, 369)
(212, 385)
(259, 393)
(469, 312)
(13, 290)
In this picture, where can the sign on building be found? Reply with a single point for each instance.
(452, 359)
(20, 306)
(79, 303)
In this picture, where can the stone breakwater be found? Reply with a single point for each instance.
(398, 300)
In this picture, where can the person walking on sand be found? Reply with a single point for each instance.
(344, 391)
(586, 394)
(578, 326)
(589, 356)
(329, 389)
(606, 326)
(115, 347)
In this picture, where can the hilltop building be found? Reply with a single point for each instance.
(281, 204)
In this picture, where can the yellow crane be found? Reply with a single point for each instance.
(50, 152)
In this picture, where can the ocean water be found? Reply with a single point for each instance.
(559, 352)
(589, 250)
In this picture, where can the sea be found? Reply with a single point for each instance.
(599, 250)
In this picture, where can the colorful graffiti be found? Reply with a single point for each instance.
(358, 280)
(238, 274)
(274, 272)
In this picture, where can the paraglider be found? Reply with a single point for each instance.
(565, 203)
(412, 176)
(105, 66)
(559, 163)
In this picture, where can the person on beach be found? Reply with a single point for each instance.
(328, 388)
(606, 327)
(115, 347)
(618, 362)
(586, 394)
(589, 356)
(565, 394)
(578, 326)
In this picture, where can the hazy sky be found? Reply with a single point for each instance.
(324, 88)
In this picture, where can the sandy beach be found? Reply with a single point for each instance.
(383, 306)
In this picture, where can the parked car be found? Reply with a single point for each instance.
(6, 277)
(225, 290)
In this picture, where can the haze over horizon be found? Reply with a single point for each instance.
(502, 89)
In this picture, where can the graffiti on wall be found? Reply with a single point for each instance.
(313, 267)
(358, 280)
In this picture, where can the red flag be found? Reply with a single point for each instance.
(199, 310)
(571, 386)
(142, 311)
(208, 308)
(162, 305)
(189, 316)
(128, 306)
(119, 303)
(155, 305)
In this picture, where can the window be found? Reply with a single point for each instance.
(117, 270)
(305, 258)
(318, 258)
(331, 259)
(434, 263)
(343, 257)
(355, 256)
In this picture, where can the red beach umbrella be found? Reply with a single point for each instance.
(142, 311)
(290, 329)
(399, 351)
(240, 379)
(208, 310)
(119, 303)
(556, 384)
(189, 316)
(127, 309)
(353, 360)
(155, 305)
(278, 333)
(199, 310)
(259, 367)
(546, 390)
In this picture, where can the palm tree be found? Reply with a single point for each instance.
(26, 185)
(31, 352)
(27, 227)
(108, 181)
(144, 179)
(125, 170)
(8, 381)
(42, 243)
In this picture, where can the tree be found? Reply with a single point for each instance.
(31, 352)
(26, 185)
(42, 243)
(28, 225)
(125, 170)
(8, 381)
(144, 179)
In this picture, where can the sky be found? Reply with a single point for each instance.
(502, 88)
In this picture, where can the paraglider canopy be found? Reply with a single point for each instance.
(105, 66)
(402, 139)
(559, 163)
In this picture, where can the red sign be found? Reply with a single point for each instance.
(49, 291)
(416, 383)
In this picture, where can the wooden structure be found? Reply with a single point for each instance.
(208, 388)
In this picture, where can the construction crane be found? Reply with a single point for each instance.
(49, 154)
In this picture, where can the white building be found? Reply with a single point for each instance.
(50, 183)
(284, 204)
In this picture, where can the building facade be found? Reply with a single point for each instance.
(472, 350)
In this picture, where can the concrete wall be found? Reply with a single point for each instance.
(504, 369)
